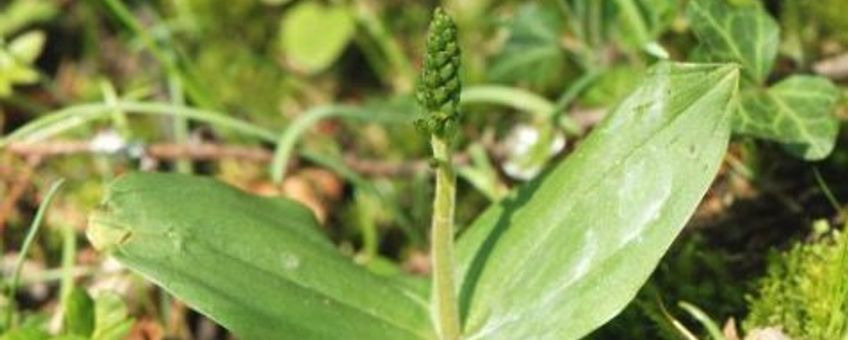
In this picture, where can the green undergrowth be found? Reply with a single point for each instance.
(804, 292)
(692, 271)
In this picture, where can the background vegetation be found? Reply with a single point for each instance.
(319, 96)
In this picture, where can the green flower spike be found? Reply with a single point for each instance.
(439, 86)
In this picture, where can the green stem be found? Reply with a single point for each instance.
(66, 119)
(634, 22)
(119, 118)
(30, 237)
(445, 303)
(180, 124)
(69, 252)
(507, 96)
(288, 139)
(519, 99)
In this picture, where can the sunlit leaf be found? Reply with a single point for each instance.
(259, 266)
(313, 36)
(20, 13)
(570, 250)
(26, 47)
(111, 318)
(16, 59)
(79, 313)
(746, 35)
(797, 112)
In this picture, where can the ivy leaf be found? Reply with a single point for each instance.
(304, 46)
(797, 112)
(258, 266)
(746, 35)
(568, 252)
(533, 51)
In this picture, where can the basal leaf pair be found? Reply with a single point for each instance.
(796, 112)
(554, 260)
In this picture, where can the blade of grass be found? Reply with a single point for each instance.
(708, 323)
(30, 237)
(507, 96)
(289, 138)
(69, 252)
(519, 99)
(403, 73)
(684, 332)
(826, 190)
(169, 59)
(570, 94)
(71, 117)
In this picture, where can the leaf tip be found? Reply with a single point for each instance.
(103, 234)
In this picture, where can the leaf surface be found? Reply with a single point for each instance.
(259, 266)
(797, 112)
(313, 35)
(567, 252)
(79, 313)
(746, 35)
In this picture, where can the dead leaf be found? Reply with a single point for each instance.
(729, 330)
(768, 333)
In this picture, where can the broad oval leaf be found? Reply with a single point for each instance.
(311, 50)
(797, 112)
(256, 265)
(569, 251)
(746, 35)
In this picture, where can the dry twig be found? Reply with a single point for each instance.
(18, 187)
(211, 151)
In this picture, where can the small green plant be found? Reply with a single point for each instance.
(18, 52)
(438, 93)
(557, 258)
(16, 60)
(103, 317)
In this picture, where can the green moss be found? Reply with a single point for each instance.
(804, 291)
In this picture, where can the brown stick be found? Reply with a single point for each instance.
(211, 151)
(19, 186)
